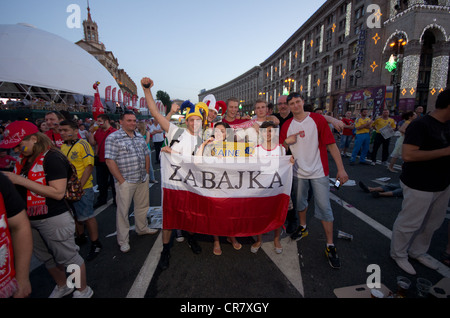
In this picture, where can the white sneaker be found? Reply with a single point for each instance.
(404, 264)
(86, 293)
(427, 260)
(148, 231)
(125, 248)
(60, 292)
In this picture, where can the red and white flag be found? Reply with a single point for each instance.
(225, 196)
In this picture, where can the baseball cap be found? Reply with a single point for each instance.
(16, 132)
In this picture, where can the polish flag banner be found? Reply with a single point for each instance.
(226, 196)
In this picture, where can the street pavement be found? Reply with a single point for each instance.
(301, 271)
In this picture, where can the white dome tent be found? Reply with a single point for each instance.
(39, 64)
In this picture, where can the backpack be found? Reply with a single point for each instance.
(74, 190)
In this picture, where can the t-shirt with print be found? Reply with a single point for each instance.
(81, 156)
(310, 150)
(56, 168)
(186, 144)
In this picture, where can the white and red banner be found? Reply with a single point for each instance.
(225, 196)
(108, 93)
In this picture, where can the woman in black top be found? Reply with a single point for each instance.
(41, 176)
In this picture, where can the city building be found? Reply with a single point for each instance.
(93, 46)
(353, 54)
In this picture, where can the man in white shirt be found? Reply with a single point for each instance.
(309, 138)
(158, 138)
(183, 143)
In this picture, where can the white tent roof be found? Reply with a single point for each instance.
(41, 59)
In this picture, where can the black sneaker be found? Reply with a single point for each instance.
(194, 246)
(299, 233)
(164, 260)
(332, 256)
(363, 187)
(94, 251)
(81, 239)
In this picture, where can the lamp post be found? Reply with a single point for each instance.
(393, 65)
(289, 81)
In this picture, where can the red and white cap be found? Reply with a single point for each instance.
(16, 132)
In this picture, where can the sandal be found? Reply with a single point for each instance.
(217, 250)
(237, 246)
(254, 249)
(278, 250)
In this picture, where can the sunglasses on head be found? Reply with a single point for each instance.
(293, 95)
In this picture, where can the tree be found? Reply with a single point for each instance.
(165, 99)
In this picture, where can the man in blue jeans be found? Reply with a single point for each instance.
(362, 138)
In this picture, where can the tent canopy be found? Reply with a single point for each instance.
(35, 62)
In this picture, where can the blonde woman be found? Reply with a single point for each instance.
(142, 129)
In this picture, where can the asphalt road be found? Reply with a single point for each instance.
(301, 271)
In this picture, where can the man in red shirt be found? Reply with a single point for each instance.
(232, 112)
(104, 176)
(6, 161)
(347, 134)
(52, 119)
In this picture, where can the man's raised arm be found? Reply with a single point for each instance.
(147, 84)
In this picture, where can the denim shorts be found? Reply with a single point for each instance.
(84, 209)
(321, 192)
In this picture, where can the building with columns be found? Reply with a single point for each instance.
(353, 54)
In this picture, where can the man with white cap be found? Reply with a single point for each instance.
(214, 107)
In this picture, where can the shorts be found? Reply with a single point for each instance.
(84, 209)
(54, 241)
(397, 152)
(321, 191)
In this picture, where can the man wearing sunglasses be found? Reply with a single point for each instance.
(309, 137)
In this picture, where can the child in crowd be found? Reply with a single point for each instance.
(269, 147)
(208, 149)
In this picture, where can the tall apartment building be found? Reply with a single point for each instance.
(352, 54)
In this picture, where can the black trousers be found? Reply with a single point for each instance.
(157, 145)
(380, 141)
(104, 180)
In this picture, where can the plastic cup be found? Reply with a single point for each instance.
(375, 293)
(423, 287)
(403, 285)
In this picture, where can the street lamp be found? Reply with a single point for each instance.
(289, 81)
(393, 66)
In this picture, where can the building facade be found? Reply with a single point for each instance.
(352, 54)
(93, 46)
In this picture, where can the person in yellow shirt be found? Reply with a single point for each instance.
(362, 138)
(81, 155)
(381, 122)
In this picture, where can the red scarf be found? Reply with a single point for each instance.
(8, 283)
(35, 203)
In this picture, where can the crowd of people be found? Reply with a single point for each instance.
(36, 157)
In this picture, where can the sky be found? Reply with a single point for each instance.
(183, 45)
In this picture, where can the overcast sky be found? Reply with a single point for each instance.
(183, 45)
